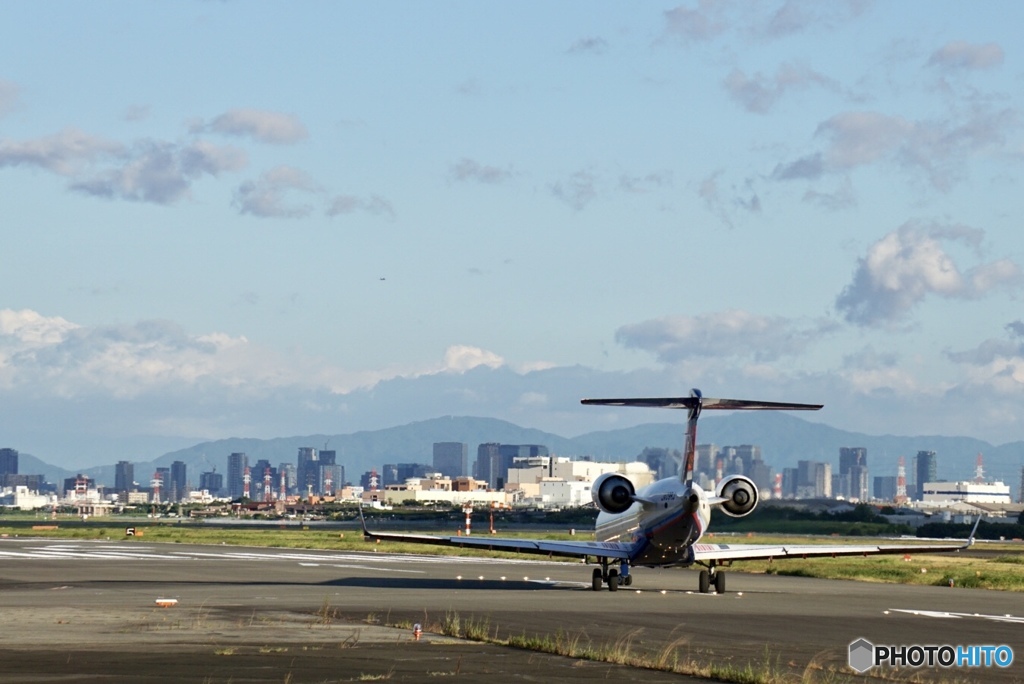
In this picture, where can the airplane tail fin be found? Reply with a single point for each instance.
(694, 404)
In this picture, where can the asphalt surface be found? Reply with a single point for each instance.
(87, 611)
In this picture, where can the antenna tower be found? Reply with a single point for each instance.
(901, 482)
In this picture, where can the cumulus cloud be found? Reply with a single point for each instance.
(579, 190)
(938, 149)
(469, 170)
(732, 333)
(349, 204)
(909, 264)
(960, 54)
(759, 93)
(161, 173)
(461, 358)
(263, 126)
(271, 195)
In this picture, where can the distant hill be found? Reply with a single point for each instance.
(784, 439)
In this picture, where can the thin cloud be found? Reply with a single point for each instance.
(374, 204)
(9, 95)
(732, 333)
(161, 173)
(271, 195)
(910, 264)
(579, 190)
(470, 170)
(939, 150)
(261, 125)
(759, 93)
(592, 46)
(959, 54)
(63, 153)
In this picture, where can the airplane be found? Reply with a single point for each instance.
(662, 524)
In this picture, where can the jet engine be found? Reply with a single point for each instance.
(739, 494)
(612, 493)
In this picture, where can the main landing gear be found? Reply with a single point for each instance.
(709, 577)
(612, 577)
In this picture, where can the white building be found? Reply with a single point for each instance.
(967, 492)
(24, 499)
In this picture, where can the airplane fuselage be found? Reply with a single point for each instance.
(662, 526)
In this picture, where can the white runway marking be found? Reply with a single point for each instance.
(945, 615)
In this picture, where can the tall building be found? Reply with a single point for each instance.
(8, 462)
(486, 454)
(853, 471)
(178, 487)
(212, 482)
(926, 469)
(308, 471)
(124, 476)
(237, 463)
(451, 459)
(885, 487)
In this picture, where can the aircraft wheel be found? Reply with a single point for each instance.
(719, 582)
(704, 582)
(613, 580)
(598, 581)
(627, 580)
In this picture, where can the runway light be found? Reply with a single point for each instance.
(480, 577)
(638, 591)
(526, 579)
(739, 593)
(547, 579)
(885, 612)
(502, 578)
(458, 577)
(663, 592)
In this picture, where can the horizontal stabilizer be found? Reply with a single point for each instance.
(704, 403)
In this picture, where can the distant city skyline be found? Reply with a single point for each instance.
(267, 220)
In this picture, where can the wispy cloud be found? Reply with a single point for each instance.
(733, 333)
(592, 46)
(272, 195)
(937, 149)
(960, 54)
(261, 125)
(759, 93)
(9, 94)
(578, 190)
(349, 204)
(471, 170)
(161, 173)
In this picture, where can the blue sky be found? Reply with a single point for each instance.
(262, 219)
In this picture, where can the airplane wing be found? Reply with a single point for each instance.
(572, 549)
(733, 552)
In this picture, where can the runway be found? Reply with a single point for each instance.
(88, 608)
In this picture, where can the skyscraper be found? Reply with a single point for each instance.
(451, 459)
(926, 470)
(124, 476)
(237, 463)
(308, 471)
(179, 482)
(8, 462)
(853, 471)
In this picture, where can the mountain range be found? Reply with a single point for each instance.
(784, 439)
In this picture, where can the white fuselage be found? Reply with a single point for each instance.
(662, 525)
